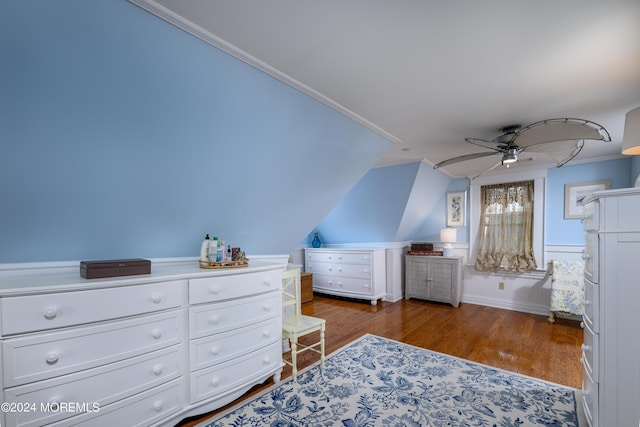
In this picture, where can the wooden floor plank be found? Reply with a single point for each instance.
(510, 340)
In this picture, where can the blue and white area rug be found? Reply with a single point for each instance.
(375, 381)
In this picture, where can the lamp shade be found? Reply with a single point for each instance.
(631, 138)
(448, 235)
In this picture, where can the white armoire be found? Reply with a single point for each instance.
(611, 349)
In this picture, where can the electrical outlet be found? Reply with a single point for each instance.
(501, 286)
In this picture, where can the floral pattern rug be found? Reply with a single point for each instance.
(375, 381)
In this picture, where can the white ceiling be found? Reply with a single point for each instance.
(429, 73)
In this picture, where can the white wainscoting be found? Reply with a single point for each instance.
(527, 292)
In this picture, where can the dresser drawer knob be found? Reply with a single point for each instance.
(215, 350)
(52, 358)
(156, 333)
(215, 290)
(267, 282)
(157, 370)
(157, 298)
(215, 381)
(266, 307)
(215, 319)
(266, 334)
(50, 313)
(54, 402)
(266, 360)
(158, 406)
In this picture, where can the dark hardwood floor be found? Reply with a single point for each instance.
(514, 341)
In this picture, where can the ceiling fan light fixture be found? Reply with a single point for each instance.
(510, 156)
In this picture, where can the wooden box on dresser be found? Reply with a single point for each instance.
(353, 273)
(435, 278)
(137, 350)
(611, 349)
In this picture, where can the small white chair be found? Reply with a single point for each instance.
(296, 325)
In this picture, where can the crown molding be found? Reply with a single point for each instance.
(168, 15)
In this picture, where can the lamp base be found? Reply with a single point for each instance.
(447, 251)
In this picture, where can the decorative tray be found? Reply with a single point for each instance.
(225, 264)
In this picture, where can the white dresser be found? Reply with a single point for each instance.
(136, 350)
(435, 278)
(353, 273)
(611, 349)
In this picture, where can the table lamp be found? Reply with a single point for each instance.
(448, 236)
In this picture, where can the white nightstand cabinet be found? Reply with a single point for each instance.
(611, 349)
(143, 350)
(353, 273)
(434, 278)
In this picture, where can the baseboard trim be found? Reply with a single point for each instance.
(507, 305)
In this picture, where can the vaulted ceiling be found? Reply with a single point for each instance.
(428, 74)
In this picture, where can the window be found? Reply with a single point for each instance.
(538, 176)
(505, 233)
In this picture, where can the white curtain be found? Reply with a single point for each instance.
(506, 228)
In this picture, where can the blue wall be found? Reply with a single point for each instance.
(393, 204)
(561, 231)
(373, 210)
(408, 203)
(123, 136)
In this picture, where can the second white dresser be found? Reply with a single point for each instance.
(353, 273)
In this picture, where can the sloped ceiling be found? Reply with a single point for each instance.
(430, 73)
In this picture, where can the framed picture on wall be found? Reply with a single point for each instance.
(456, 208)
(575, 194)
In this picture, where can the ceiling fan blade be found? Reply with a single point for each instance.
(552, 130)
(463, 158)
(483, 143)
(488, 170)
(562, 151)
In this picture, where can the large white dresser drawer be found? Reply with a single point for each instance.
(590, 255)
(590, 399)
(591, 305)
(362, 271)
(230, 345)
(224, 378)
(220, 317)
(339, 257)
(221, 288)
(45, 355)
(55, 310)
(342, 284)
(141, 410)
(590, 354)
(591, 216)
(100, 386)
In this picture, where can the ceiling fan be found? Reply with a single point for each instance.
(561, 139)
